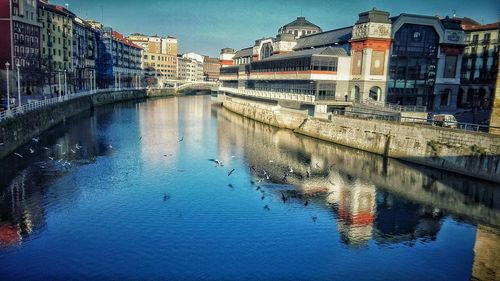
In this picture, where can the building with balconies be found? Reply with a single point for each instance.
(57, 44)
(20, 44)
(119, 61)
(159, 56)
(479, 65)
(84, 54)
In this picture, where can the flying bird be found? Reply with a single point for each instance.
(166, 196)
(230, 172)
(18, 155)
(35, 139)
(51, 158)
(181, 139)
(45, 148)
(32, 151)
(267, 208)
(283, 197)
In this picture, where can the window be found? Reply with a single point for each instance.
(450, 66)
(475, 38)
(486, 38)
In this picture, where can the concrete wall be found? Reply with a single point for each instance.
(273, 115)
(17, 131)
(468, 153)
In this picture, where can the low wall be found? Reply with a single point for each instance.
(273, 115)
(17, 131)
(469, 153)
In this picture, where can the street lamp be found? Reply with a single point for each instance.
(8, 86)
(18, 87)
(59, 84)
(65, 85)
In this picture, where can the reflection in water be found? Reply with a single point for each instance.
(486, 254)
(318, 190)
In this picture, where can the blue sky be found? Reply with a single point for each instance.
(206, 26)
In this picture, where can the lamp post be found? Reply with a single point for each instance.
(8, 86)
(59, 84)
(65, 85)
(18, 87)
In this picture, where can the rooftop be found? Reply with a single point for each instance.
(325, 51)
(324, 39)
(300, 22)
(247, 52)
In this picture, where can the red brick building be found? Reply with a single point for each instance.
(20, 29)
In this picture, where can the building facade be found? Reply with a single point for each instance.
(479, 65)
(159, 57)
(84, 54)
(20, 29)
(119, 60)
(189, 67)
(57, 46)
(407, 60)
(211, 68)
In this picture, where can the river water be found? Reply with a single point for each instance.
(134, 192)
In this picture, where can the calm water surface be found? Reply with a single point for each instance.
(131, 194)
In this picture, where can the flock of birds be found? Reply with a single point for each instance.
(54, 161)
(262, 177)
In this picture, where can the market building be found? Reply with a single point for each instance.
(408, 59)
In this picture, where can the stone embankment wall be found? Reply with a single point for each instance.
(17, 131)
(469, 153)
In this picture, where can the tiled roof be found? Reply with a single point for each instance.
(119, 37)
(489, 26)
(323, 39)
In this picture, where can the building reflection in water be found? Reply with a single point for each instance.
(373, 198)
(23, 181)
(486, 264)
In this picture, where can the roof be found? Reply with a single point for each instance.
(324, 39)
(119, 37)
(300, 22)
(247, 52)
(326, 51)
(489, 26)
(57, 9)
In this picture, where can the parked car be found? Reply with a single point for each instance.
(444, 120)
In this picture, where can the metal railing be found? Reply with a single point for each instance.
(33, 105)
(269, 95)
(415, 120)
(397, 107)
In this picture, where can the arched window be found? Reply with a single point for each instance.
(266, 50)
(375, 93)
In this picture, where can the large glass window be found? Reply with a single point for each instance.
(412, 66)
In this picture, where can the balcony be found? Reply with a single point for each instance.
(65, 35)
(49, 43)
(481, 42)
(66, 58)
